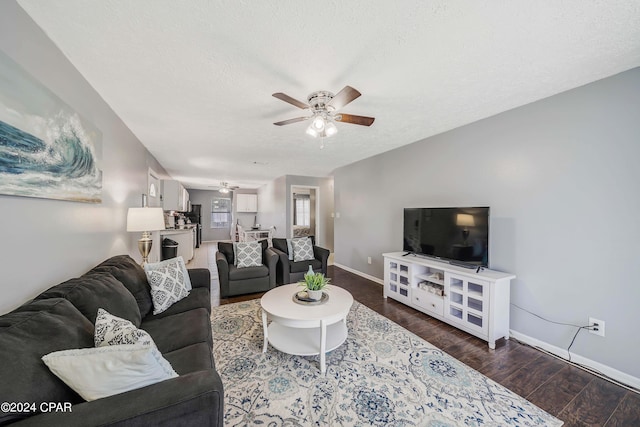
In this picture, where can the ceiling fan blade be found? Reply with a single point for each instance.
(342, 98)
(356, 120)
(286, 98)
(288, 122)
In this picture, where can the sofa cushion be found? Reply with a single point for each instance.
(132, 276)
(100, 372)
(236, 273)
(226, 249)
(198, 298)
(114, 330)
(298, 267)
(180, 330)
(280, 244)
(92, 291)
(195, 357)
(28, 333)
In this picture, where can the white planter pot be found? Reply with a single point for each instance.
(315, 295)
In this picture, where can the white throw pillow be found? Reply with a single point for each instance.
(114, 330)
(302, 249)
(169, 282)
(94, 373)
(248, 254)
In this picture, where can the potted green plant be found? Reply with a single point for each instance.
(314, 283)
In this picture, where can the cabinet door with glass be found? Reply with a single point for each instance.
(398, 281)
(467, 302)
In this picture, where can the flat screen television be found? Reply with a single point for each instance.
(457, 235)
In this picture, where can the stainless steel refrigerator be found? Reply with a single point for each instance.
(195, 217)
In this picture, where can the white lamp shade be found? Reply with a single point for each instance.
(145, 219)
(465, 220)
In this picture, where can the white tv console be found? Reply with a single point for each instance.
(477, 303)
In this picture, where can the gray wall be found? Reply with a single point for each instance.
(562, 179)
(204, 198)
(325, 199)
(274, 203)
(47, 241)
(272, 206)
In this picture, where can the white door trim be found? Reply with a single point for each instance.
(317, 192)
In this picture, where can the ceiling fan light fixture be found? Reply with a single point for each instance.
(330, 129)
(224, 190)
(318, 123)
(311, 131)
(324, 107)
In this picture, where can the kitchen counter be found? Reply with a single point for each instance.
(170, 231)
(186, 238)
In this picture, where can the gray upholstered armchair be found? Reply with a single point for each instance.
(247, 280)
(289, 271)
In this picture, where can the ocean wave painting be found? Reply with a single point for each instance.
(46, 149)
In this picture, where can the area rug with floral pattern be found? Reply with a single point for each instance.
(383, 375)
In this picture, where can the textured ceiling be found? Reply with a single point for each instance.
(193, 79)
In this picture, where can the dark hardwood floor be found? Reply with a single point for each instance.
(570, 394)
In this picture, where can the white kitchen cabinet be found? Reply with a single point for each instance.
(476, 302)
(174, 196)
(246, 203)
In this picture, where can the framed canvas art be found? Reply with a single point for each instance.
(47, 149)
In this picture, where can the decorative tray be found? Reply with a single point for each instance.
(303, 298)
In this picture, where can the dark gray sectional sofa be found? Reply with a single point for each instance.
(62, 318)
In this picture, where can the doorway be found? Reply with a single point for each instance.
(305, 211)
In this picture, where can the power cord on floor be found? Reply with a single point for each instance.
(577, 365)
(588, 327)
(581, 366)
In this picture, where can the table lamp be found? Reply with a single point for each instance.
(145, 220)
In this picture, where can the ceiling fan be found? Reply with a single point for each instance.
(324, 108)
(225, 187)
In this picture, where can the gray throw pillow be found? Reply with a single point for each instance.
(302, 249)
(248, 254)
(169, 281)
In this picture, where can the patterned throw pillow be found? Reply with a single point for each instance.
(114, 330)
(169, 281)
(248, 254)
(302, 249)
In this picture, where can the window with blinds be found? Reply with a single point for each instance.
(302, 210)
(220, 212)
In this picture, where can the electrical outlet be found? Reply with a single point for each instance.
(597, 326)
(368, 260)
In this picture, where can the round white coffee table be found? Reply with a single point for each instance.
(305, 330)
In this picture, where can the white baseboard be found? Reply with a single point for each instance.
(360, 273)
(580, 360)
(534, 342)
